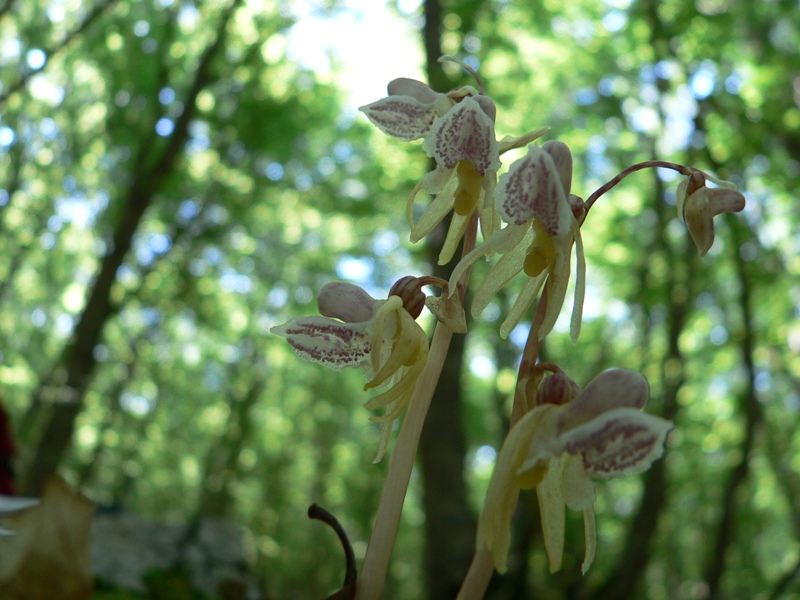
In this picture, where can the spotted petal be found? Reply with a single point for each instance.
(327, 341)
(402, 117)
(532, 188)
(620, 442)
(465, 133)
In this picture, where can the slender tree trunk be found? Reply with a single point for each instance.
(449, 523)
(223, 458)
(71, 378)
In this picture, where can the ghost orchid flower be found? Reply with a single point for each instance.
(698, 205)
(467, 156)
(533, 198)
(379, 336)
(570, 437)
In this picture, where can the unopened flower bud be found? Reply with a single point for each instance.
(409, 289)
(557, 389)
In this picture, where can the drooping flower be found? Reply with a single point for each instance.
(698, 205)
(379, 336)
(569, 437)
(533, 197)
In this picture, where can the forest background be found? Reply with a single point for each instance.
(174, 181)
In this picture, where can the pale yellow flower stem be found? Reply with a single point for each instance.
(381, 541)
(390, 507)
(478, 576)
(529, 356)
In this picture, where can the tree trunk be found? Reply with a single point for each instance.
(449, 523)
(72, 376)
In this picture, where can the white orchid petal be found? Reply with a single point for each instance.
(465, 133)
(436, 211)
(505, 269)
(532, 189)
(557, 283)
(458, 225)
(328, 342)
(346, 301)
(611, 389)
(402, 117)
(620, 442)
(530, 290)
(403, 86)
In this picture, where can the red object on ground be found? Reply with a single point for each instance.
(7, 450)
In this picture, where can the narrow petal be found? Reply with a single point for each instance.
(590, 535)
(551, 507)
(402, 117)
(458, 225)
(328, 342)
(465, 263)
(505, 269)
(510, 142)
(383, 442)
(346, 301)
(404, 384)
(580, 285)
(436, 211)
(557, 284)
(529, 291)
(465, 133)
(494, 524)
(615, 388)
(620, 442)
(577, 487)
(532, 189)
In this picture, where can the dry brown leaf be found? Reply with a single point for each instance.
(48, 557)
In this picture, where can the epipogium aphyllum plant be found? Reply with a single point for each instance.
(562, 437)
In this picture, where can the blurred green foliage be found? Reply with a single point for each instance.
(280, 188)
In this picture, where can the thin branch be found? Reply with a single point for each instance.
(56, 48)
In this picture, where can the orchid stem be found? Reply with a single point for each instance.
(648, 164)
(381, 541)
(390, 507)
(478, 576)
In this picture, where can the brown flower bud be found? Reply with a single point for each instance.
(557, 389)
(409, 289)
